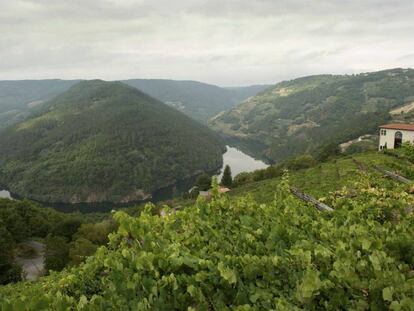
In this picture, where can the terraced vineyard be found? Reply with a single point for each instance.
(333, 175)
(266, 250)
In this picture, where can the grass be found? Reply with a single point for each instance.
(329, 176)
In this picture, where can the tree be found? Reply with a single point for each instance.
(80, 249)
(57, 253)
(203, 182)
(243, 178)
(327, 151)
(9, 271)
(67, 228)
(193, 192)
(227, 180)
(96, 233)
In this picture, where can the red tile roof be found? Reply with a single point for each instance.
(396, 126)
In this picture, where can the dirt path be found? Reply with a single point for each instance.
(33, 268)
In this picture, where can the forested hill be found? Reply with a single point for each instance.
(103, 141)
(198, 100)
(304, 114)
(17, 98)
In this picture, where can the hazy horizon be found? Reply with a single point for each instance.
(189, 80)
(231, 43)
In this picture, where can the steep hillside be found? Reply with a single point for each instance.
(103, 141)
(18, 98)
(198, 100)
(244, 253)
(241, 93)
(301, 115)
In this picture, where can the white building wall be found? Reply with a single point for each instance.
(388, 138)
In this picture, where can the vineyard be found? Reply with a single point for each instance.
(252, 252)
(333, 175)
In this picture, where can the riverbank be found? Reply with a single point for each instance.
(234, 157)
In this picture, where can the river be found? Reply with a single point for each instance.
(5, 194)
(237, 160)
(240, 162)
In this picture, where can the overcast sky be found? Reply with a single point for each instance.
(225, 42)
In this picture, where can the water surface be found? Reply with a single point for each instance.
(5, 194)
(240, 162)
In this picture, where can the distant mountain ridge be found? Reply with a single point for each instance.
(198, 100)
(103, 142)
(306, 114)
(18, 97)
(242, 93)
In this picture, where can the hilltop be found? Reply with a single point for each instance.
(103, 141)
(200, 101)
(306, 114)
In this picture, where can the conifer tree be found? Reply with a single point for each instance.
(227, 180)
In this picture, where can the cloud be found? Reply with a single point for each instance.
(228, 42)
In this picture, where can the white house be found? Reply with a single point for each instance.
(393, 135)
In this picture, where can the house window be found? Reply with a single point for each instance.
(383, 132)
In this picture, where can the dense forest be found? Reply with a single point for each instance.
(259, 248)
(103, 141)
(308, 114)
(68, 238)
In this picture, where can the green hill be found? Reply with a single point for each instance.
(103, 141)
(199, 101)
(304, 114)
(253, 252)
(19, 98)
